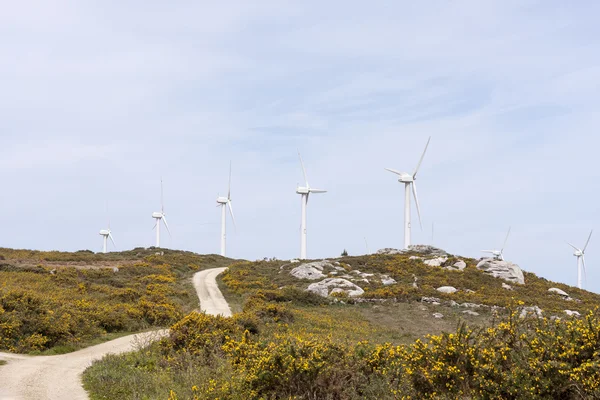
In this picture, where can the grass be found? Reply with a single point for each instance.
(3, 362)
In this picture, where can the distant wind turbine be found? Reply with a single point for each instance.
(580, 254)
(225, 202)
(160, 216)
(409, 181)
(305, 191)
(499, 254)
(106, 234)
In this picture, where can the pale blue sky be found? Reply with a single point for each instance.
(100, 99)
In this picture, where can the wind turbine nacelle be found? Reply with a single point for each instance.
(222, 200)
(157, 215)
(104, 232)
(405, 178)
(302, 190)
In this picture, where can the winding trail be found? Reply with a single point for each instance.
(59, 377)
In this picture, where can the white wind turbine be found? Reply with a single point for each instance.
(225, 202)
(499, 254)
(305, 191)
(106, 234)
(160, 216)
(410, 181)
(580, 254)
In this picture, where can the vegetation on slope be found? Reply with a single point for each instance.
(62, 308)
(287, 343)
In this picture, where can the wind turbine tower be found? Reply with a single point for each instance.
(409, 181)
(160, 216)
(224, 203)
(305, 191)
(580, 254)
(499, 254)
(106, 234)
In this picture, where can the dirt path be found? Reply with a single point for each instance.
(59, 377)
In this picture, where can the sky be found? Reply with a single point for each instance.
(99, 100)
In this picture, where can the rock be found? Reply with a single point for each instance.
(53, 272)
(335, 285)
(431, 300)
(312, 271)
(386, 280)
(469, 291)
(333, 273)
(507, 287)
(471, 305)
(469, 312)
(361, 274)
(415, 258)
(559, 292)
(534, 311)
(294, 261)
(414, 284)
(502, 269)
(572, 313)
(436, 262)
(390, 251)
(457, 266)
(418, 248)
(437, 315)
(447, 289)
(452, 303)
(115, 269)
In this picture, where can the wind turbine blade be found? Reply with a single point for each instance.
(588, 241)
(307, 194)
(488, 251)
(231, 212)
(229, 191)
(303, 170)
(575, 248)
(393, 171)
(112, 240)
(162, 203)
(164, 219)
(317, 191)
(154, 227)
(414, 190)
(505, 240)
(421, 160)
(584, 269)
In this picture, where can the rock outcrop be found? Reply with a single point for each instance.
(502, 269)
(457, 266)
(436, 262)
(312, 271)
(534, 311)
(331, 286)
(416, 248)
(572, 313)
(559, 292)
(447, 289)
(386, 280)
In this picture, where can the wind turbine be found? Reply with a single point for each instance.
(225, 202)
(106, 234)
(305, 191)
(580, 254)
(410, 181)
(499, 254)
(160, 216)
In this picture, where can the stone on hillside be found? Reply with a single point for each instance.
(389, 250)
(115, 269)
(469, 312)
(559, 292)
(294, 261)
(471, 305)
(431, 300)
(502, 269)
(469, 291)
(534, 311)
(417, 248)
(386, 280)
(447, 289)
(361, 274)
(335, 285)
(437, 315)
(571, 313)
(312, 271)
(507, 287)
(436, 262)
(457, 266)
(415, 258)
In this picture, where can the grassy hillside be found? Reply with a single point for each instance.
(54, 302)
(287, 343)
